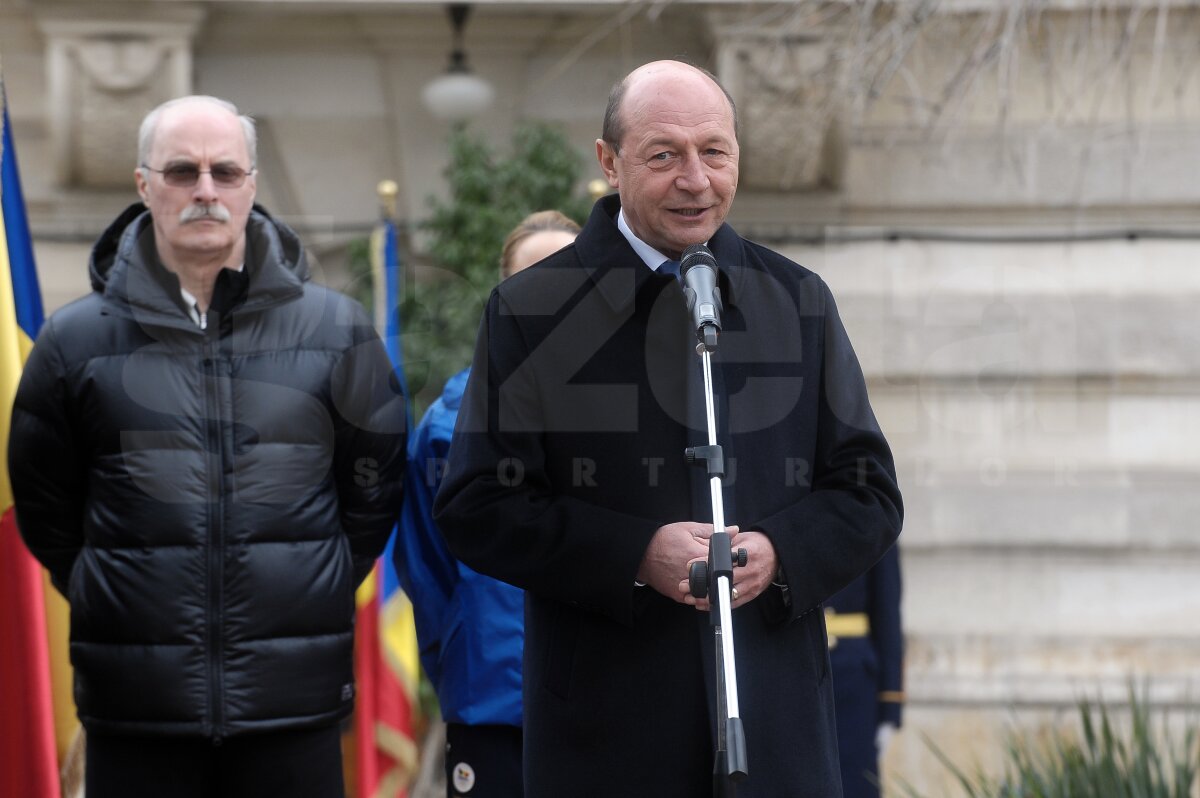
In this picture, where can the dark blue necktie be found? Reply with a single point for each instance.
(670, 267)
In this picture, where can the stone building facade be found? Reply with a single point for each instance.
(1003, 195)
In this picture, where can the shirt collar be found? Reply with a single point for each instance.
(189, 299)
(651, 256)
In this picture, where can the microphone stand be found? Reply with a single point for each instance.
(715, 580)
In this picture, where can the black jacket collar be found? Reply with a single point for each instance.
(618, 271)
(124, 267)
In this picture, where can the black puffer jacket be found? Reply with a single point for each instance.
(208, 500)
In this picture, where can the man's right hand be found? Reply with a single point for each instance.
(671, 550)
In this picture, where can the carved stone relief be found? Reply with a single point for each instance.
(783, 83)
(104, 76)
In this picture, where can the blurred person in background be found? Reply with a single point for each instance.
(470, 627)
(866, 651)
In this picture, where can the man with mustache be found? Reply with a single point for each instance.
(567, 475)
(207, 454)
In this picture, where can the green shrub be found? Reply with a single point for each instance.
(489, 194)
(1101, 759)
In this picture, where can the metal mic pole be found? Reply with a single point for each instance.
(715, 578)
(730, 765)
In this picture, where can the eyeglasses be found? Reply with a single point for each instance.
(186, 175)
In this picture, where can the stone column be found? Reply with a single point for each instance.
(107, 66)
(782, 75)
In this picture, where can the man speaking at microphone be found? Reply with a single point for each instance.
(567, 474)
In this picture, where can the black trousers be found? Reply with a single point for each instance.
(483, 761)
(287, 764)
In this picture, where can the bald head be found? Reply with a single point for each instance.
(672, 156)
(614, 121)
(149, 127)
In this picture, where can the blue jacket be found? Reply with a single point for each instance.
(470, 627)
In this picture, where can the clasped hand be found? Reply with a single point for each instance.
(675, 546)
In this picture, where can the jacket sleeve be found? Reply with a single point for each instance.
(852, 512)
(423, 563)
(45, 462)
(370, 437)
(498, 507)
(887, 635)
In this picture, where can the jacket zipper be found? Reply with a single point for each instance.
(216, 515)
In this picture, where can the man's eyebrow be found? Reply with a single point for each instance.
(718, 138)
(184, 160)
(660, 141)
(708, 141)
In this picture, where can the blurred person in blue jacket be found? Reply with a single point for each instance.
(866, 653)
(470, 627)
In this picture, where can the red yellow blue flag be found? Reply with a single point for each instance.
(28, 753)
(386, 660)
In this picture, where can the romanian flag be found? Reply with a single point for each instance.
(386, 277)
(28, 754)
(387, 670)
(386, 662)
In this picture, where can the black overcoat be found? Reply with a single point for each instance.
(569, 454)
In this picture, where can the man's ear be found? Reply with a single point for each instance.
(139, 179)
(607, 156)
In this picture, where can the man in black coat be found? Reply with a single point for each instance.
(567, 474)
(207, 453)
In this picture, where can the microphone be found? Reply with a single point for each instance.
(698, 268)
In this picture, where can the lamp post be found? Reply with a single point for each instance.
(458, 93)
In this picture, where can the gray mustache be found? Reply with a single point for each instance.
(194, 213)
